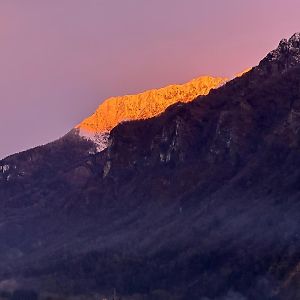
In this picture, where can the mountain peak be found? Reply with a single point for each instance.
(285, 56)
(141, 106)
(295, 39)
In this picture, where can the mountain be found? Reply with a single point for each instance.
(145, 105)
(199, 202)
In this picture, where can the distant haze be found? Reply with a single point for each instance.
(60, 59)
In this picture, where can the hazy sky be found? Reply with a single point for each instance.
(60, 58)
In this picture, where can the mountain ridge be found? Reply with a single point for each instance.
(199, 202)
(143, 105)
(147, 104)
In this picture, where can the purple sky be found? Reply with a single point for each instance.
(60, 58)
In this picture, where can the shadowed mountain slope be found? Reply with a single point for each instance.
(200, 202)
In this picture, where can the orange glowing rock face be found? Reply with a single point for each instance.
(145, 105)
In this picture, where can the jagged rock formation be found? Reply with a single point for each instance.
(145, 105)
(286, 55)
(200, 202)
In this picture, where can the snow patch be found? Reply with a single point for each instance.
(100, 139)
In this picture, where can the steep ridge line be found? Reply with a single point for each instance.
(141, 106)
